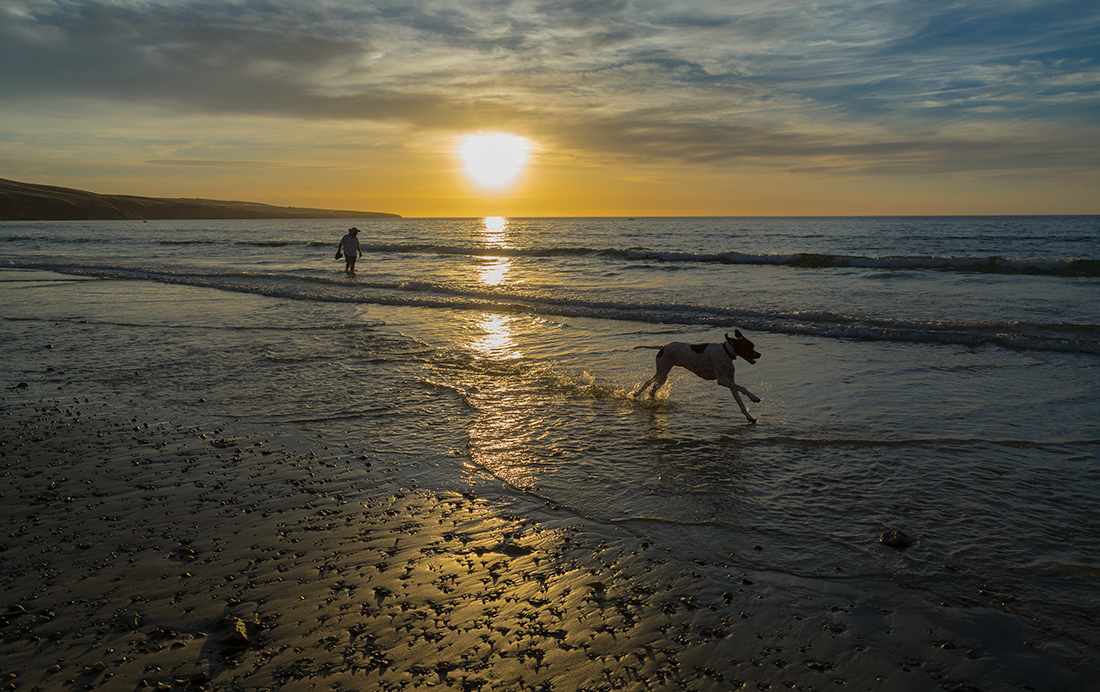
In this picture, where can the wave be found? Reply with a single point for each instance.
(931, 442)
(802, 260)
(1072, 267)
(1019, 335)
(1060, 267)
(808, 260)
(195, 242)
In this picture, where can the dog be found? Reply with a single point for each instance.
(709, 361)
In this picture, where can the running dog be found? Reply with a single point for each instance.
(709, 361)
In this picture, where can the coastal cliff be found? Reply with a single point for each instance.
(32, 202)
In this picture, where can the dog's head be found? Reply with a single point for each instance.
(742, 347)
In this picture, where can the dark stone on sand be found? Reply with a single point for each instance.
(237, 637)
(895, 539)
(514, 550)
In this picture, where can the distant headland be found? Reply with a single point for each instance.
(31, 202)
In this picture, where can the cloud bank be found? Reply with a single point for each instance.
(855, 86)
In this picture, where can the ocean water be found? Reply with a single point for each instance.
(939, 376)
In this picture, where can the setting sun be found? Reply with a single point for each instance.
(493, 160)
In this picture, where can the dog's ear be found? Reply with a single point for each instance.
(737, 333)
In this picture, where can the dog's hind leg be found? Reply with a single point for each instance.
(659, 378)
(638, 392)
(660, 382)
(656, 382)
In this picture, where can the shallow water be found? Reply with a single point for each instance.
(951, 399)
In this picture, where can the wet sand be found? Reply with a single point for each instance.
(139, 553)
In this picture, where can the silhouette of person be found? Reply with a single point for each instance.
(349, 245)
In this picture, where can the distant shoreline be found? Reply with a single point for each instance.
(32, 202)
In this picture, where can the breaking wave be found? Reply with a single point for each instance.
(1060, 267)
(804, 260)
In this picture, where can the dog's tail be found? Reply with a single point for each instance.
(655, 348)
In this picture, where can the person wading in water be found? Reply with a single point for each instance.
(349, 247)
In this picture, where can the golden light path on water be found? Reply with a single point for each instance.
(496, 339)
(494, 235)
(500, 440)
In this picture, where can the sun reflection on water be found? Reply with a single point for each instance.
(495, 231)
(494, 234)
(496, 273)
(500, 437)
(495, 337)
(499, 441)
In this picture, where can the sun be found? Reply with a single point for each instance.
(493, 160)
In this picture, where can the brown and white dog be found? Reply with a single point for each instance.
(709, 361)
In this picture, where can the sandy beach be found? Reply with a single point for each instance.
(381, 346)
(141, 554)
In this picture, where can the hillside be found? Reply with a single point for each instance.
(31, 202)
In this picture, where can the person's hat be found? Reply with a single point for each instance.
(353, 228)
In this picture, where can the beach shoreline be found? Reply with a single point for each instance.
(144, 553)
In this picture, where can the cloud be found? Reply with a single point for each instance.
(702, 82)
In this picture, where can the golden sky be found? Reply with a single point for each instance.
(625, 107)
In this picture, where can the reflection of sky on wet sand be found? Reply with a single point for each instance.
(501, 441)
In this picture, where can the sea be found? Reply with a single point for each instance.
(934, 376)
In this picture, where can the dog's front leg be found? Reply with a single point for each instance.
(737, 390)
(752, 397)
(727, 381)
(741, 405)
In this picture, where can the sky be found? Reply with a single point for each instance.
(626, 107)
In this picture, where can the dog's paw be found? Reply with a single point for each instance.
(754, 399)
